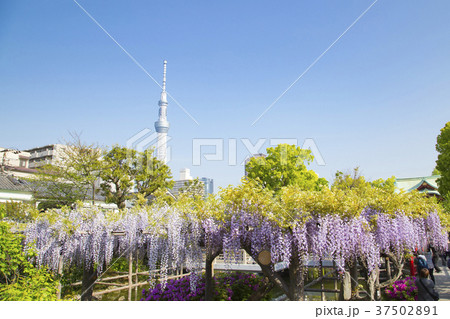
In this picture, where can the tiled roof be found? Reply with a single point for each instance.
(21, 169)
(410, 184)
(13, 184)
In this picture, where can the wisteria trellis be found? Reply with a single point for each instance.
(170, 237)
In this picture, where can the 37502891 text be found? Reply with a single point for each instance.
(380, 311)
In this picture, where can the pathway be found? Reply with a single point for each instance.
(443, 282)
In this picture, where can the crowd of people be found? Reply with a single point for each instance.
(426, 263)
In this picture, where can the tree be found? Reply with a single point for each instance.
(118, 173)
(443, 161)
(356, 181)
(82, 164)
(284, 165)
(125, 169)
(194, 188)
(52, 190)
(152, 174)
(71, 178)
(349, 181)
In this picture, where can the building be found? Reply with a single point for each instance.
(14, 158)
(15, 163)
(209, 185)
(14, 189)
(162, 125)
(186, 179)
(49, 154)
(426, 184)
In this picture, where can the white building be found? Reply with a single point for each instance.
(49, 154)
(186, 179)
(15, 163)
(14, 158)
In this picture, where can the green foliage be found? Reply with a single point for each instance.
(357, 182)
(292, 205)
(125, 168)
(445, 216)
(71, 178)
(386, 184)
(17, 212)
(118, 172)
(402, 290)
(19, 279)
(194, 188)
(443, 161)
(285, 165)
(50, 188)
(81, 165)
(152, 174)
(238, 287)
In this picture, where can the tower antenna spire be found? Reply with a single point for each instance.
(164, 76)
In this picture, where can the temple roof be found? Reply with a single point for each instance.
(425, 184)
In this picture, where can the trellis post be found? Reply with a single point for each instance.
(130, 274)
(136, 278)
(60, 272)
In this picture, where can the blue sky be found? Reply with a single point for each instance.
(377, 99)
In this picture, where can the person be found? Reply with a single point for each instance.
(430, 265)
(421, 262)
(434, 258)
(425, 287)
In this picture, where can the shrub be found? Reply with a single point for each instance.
(19, 279)
(17, 212)
(235, 286)
(402, 290)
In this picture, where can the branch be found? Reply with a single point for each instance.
(270, 273)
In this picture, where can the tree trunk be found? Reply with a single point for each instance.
(354, 275)
(87, 285)
(388, 268)
(396, 272)
(268, 271)
(209, 273)
(93, 194)
(345, 292)
(372, 283)
(296, 282)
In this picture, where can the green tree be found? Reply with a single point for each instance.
(81, 165)
(71, 178)
(151, 174)
(125, 170)
(52, 190)
(193, 188)
(285, 165)
(349, 181)
(355, 181)
(443, 161)
(119, 168)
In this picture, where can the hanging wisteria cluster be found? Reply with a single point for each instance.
(170, 238)
(329, 236)
(90, 237)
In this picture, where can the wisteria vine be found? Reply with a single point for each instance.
(170, 238)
